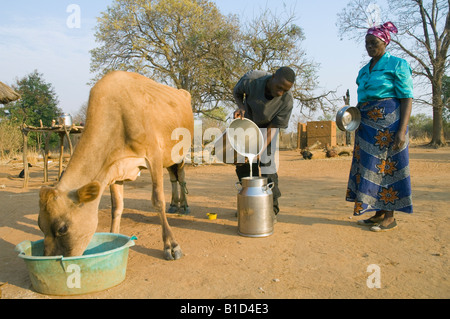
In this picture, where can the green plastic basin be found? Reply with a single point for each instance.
(102, 266)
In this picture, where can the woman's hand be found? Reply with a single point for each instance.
(399, 140)
(405, 113)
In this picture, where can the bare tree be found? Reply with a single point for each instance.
(185, 43)
(80, 116)
(423, 40)
(274, 40)
(189, 44)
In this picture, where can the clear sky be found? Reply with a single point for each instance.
(34, 35)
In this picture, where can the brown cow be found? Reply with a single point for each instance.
(130, 120)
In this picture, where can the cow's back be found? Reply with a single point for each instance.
(138, 110)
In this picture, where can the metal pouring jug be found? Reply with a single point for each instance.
(243, 137)
(255, 207)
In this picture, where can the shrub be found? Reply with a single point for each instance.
(10, 138)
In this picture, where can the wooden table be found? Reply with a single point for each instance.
(62, 131)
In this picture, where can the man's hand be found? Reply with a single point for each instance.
(239, 113)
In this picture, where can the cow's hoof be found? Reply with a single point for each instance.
(185, 210)
(177, 253)
(173, 254)
(172, 209)
(168, 254)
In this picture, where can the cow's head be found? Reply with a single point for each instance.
(68, 219)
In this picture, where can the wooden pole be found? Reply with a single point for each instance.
(61, 153)
(46, 151)
(25, 158)
(68, 139)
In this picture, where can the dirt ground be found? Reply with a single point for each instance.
(317, 250)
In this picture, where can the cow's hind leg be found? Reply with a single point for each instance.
(116, 190)
(171, 248)
(184, 207)
(179, 199)
(174, 204)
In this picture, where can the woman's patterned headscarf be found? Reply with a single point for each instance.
(383, 32)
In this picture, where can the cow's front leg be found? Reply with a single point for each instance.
(116, 190)
(172, 251)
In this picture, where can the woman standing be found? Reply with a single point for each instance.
(379, 177)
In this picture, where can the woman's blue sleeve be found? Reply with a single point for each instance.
(403, 83)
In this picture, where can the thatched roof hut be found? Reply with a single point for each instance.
(7, 94)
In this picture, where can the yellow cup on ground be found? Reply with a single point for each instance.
(211, 216)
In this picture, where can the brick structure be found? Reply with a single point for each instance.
(322, 131)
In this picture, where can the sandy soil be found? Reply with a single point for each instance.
(317, 250)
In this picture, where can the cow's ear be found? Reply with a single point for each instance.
(46, 193)
(88, 192)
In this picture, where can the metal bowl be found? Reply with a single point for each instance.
(348, 118)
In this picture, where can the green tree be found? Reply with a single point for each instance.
(38, 101)
(423, 39)
(420, 125)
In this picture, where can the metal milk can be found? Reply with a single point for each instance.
(65, 119)
(255, 207)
